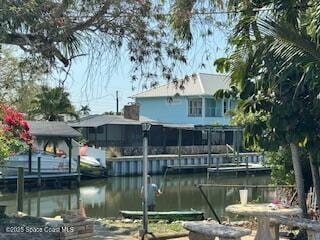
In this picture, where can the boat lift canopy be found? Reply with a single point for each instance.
(52, 131)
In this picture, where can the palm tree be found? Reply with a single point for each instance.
(51, 103)
(300, 47)
(85, 110)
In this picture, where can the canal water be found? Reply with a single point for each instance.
(106, 197)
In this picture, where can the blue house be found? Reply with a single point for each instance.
(190, 101)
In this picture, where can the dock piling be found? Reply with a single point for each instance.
(209, 147)
(20, 189)
(247, 165)
(39, 171)
(78, 170)
(217, 166)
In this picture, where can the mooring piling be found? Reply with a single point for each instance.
(20, 189)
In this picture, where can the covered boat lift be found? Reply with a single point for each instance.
(51, 132)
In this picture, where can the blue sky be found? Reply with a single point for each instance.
(98, 89)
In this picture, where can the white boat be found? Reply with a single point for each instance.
(89, 161)
(50, 163)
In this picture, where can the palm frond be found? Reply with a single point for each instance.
(289, 44)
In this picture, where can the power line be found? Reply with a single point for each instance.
(263, 9)
(93, 99)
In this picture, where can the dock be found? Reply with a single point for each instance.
(187, 168)
(222, 168)
(157, 164)
(242, 168)
(33, 179)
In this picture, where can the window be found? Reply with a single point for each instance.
(195, 107)
(225, 106)
(232, 104)
(210, 107)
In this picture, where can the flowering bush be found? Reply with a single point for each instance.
(14, 132)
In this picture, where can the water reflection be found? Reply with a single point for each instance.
(106, 197)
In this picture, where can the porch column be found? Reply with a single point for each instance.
(203, 110)
(95, 137)
(209, 146)
(70, 153)
(179, 146)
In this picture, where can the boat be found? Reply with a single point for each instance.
(170, 216)
(89, 161)
(50, 163)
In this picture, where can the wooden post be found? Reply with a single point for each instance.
(70, 153)
(238, 146)
(78, 169)
(247, 165)
(38, 204)
(39, 171)
(29, 206)
(179, 147)
(30, 158)
(20, 189)
(69, 201)
(234, 145)
(95, 137)
(209, 147)
(217, 165)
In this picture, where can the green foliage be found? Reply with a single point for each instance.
(85, 110)
(57, 32)
(281, 165)
(51, 103)
(19, 79)
(14, 133)
(8, 146)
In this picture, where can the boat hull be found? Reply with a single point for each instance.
(49, 164)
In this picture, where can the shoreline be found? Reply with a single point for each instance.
(109, 228)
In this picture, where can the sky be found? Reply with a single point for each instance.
(98, 89)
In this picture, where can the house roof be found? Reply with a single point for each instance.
(100, 120)
(200, 84)
(52, 129)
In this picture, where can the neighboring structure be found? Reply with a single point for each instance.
(109, 131)
(172, 108)
(45, 133)
(190, 101)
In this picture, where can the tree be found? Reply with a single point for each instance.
(51, 103)
(59, 31)
(85, 110)
(300, 48)
(19, 80)
(272, 99)
(14, 133)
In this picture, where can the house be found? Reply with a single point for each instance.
(189, 101)
(170, 108)
(124, 134)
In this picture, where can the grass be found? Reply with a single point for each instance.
(154, 227)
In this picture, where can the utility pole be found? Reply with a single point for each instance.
(117, 98)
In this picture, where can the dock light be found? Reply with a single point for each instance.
(145, 130)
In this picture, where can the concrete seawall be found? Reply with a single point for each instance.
(130, 166)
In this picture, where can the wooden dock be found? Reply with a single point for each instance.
(34, 178)
(187, 168)
(222, 168)
(251, 168)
